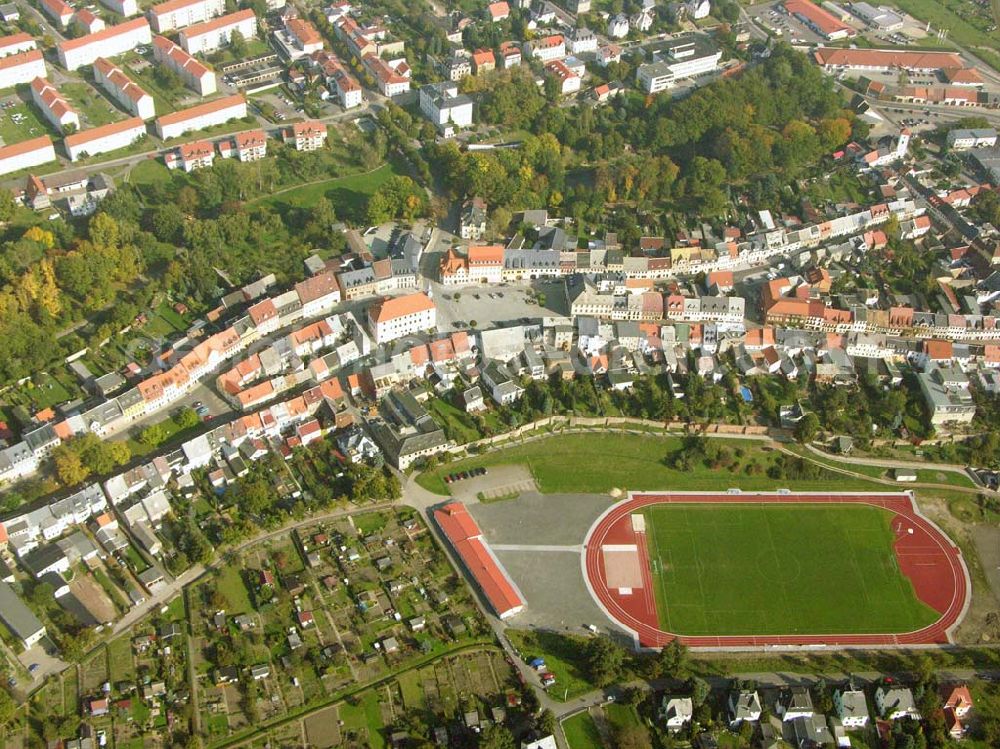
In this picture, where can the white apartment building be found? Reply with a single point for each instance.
(58, 11)
(348, 89)
(27, 154)
(190, 156)
(11, 45)
(123, 89)
(196, 75)
(127, 8)
(547, 48)
(210, 35)
(22, 67)
(248, 146)
(176, 14)
(445, 107)
(53, 105)
(306, 136)
(201, 116)
(105, 138)
(401, 316)
(393, 79)
(569, 82)
(582, 40)
(114, 40)
(685, 57)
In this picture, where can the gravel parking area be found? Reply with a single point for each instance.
(539, 539)
(499, 482)
(495, 306)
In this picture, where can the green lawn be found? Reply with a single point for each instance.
(349, 194)
(94, 109)
(622, 716)
(581, 732)
(951, 15)
(563, 656)
(149, 172)
(457, 424)
(924, 475)
(742, 570)
(32, 126)
(231, 586)
(606, 460)
(365, 716)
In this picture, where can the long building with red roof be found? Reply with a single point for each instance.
(834, 58)
(109, 42)
(466, 539)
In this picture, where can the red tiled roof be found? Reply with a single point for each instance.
(15, 39)
(107, 33)
(172, 5)
(465, 537)
(21, 58)
(86, 136)
(400, 306)
(304, 31)
(201, 109)
(887, 58)
(217, 23)
(820, 18)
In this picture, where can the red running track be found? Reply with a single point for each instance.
(925, 555)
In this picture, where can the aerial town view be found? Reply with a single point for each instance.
(527, 374)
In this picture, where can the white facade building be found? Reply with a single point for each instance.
(11, 45)
(124, 90)
(445, 107)
(547, 49)
(22, 67)
(402, 316)
(127, 8)
(105, 138)
(53, 105)
(177, 14)
(210, 35)
(685, 57)
(196, 75)
(963, 139)
(114, 40)
(201, 116)
(25, 155)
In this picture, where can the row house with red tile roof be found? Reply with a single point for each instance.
(306, 136)
(197, 154)
(250, 145)
(53, 105)
(26, 154)
(61, 13)
(392, 76)
(109, 42)
(105, 138)
(22, 67)
(123, 89)
(195, 74)
(201, 116)
(176, 14)
(11, 45)
(209, 36)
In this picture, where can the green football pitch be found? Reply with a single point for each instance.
(760, 569)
